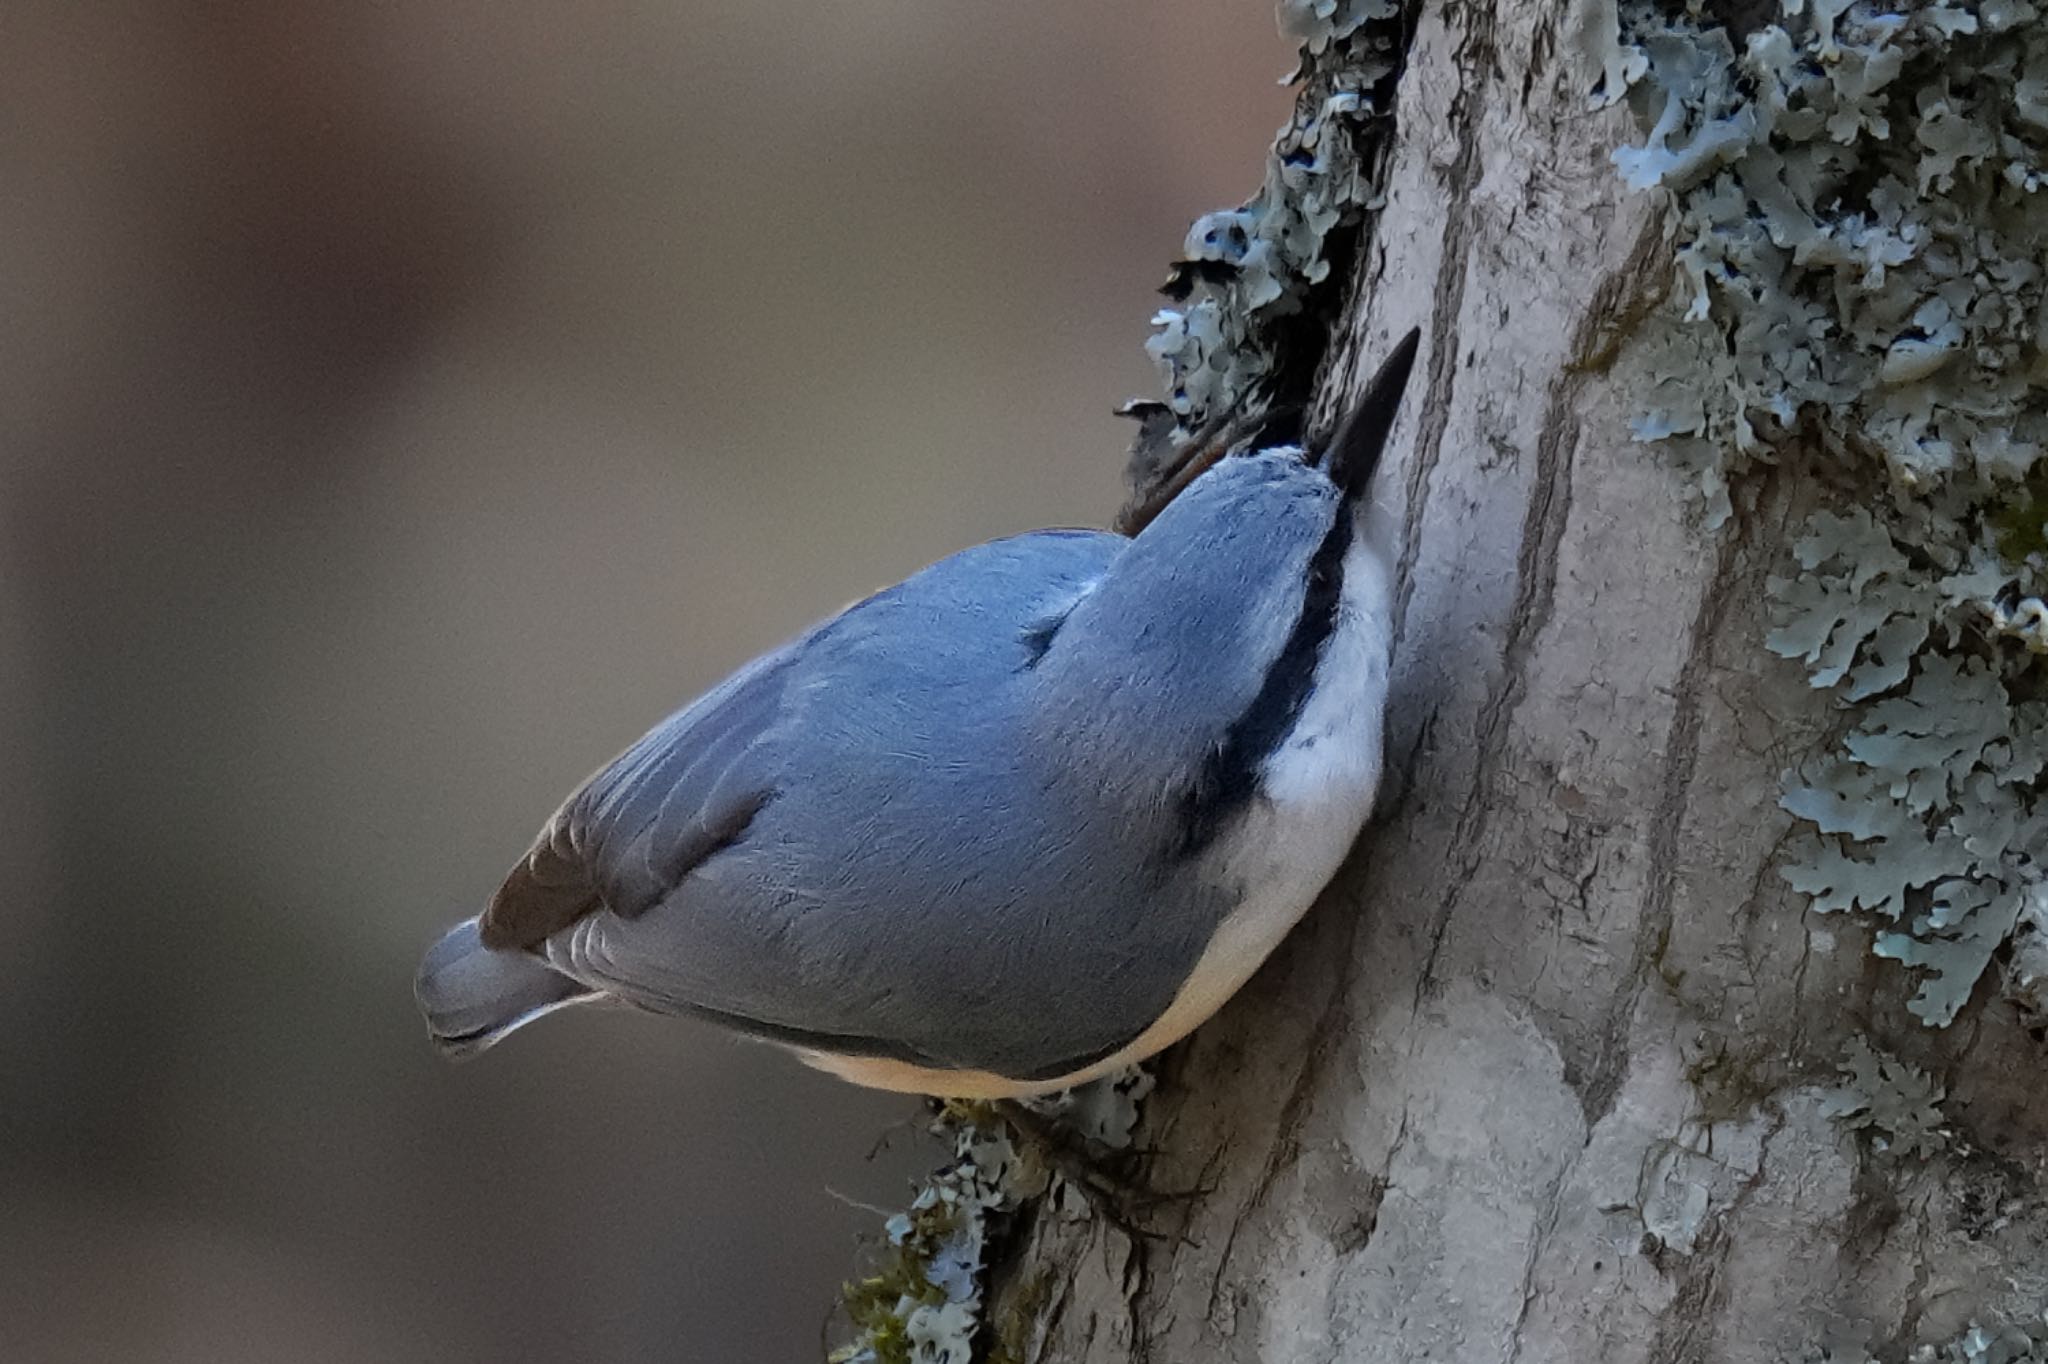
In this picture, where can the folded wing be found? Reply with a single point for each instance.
(639, 826)
(808, 854)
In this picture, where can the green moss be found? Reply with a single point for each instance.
(877, 1298)
(1023, 1305)
(1730, 1082)
(2019, 521)
(922, 1303)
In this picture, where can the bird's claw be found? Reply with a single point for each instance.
(1107, 1179)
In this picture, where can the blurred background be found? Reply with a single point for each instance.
(402, 406)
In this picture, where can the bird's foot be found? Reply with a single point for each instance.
(1108, 1179)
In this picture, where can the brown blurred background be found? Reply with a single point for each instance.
(401, 407)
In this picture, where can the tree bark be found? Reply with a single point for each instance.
(1545, 1077)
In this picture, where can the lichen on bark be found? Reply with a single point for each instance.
(1857, 191)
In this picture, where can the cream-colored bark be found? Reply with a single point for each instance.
(1542, 1077)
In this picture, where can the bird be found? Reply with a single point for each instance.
(1013, 824)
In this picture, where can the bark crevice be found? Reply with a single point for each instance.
(1447, 301)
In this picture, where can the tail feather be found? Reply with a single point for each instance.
(473, 995)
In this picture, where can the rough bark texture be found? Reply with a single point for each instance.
(1542, 1077)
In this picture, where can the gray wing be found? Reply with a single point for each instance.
(843, 847)
(637, 827)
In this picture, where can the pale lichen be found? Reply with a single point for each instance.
(2009, 1342)
(2026, 974)
(1105, 1113)
(1898, 1105)
(1316, 24)
(1862, 244)
(1253, 296)
(923, 1302)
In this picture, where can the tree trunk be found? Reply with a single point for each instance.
(1551, 1074)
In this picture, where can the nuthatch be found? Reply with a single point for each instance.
(1021, 820)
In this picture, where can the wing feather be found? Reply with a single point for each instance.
(886, 865)
(649, 817)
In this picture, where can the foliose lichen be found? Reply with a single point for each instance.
(1861, 229)
(1106, 1112)
(923, 1302)
(1316, 24)
(1897, 1105)
(922, 1305)
(2026, 972)
(1255, 292)
(2013, 1342)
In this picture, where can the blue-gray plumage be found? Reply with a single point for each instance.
(995, 827)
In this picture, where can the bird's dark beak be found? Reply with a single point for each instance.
(1354, 452)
